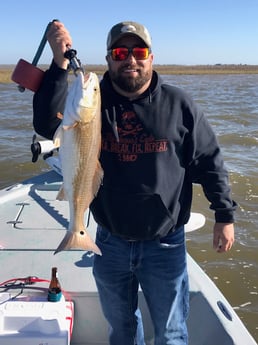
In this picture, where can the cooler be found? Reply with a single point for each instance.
(35, 322)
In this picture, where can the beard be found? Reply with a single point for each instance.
(127, 83)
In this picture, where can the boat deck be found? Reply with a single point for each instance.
(33, 223)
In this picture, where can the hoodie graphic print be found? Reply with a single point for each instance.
(132, 140)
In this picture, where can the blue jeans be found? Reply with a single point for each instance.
(159, 266)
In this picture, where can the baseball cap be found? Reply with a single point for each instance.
(124, 28)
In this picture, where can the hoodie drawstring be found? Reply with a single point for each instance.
(113, 123)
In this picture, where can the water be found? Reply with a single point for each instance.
(231, 105)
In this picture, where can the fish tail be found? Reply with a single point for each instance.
(78, 240)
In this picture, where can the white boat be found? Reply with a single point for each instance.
(33, 223)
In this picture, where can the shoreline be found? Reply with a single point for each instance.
(6, 70)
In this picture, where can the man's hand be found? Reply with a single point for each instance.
(60, 41)
(223, 237)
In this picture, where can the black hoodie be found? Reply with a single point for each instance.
(153, 149)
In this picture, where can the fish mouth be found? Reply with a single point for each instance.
(87, 78)
(90, 76)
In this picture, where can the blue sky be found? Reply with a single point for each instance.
(183, 31)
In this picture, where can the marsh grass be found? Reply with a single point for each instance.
(5, 76)
(7, 70)
(207, 69)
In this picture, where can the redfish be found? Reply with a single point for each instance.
(79, 141)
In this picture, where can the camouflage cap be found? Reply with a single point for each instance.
(125, 28)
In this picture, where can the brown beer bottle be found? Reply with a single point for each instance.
(54, 290)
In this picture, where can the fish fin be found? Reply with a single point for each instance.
(78, 240)
(58, 137)
(59, 115)
(97, 179)
(61, 195)
(71, 126)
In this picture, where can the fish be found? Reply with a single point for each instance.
(79, 140)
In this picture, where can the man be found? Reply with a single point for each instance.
(155, 144)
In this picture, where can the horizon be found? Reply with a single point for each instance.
(154, 64)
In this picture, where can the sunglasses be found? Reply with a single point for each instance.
(120, 54)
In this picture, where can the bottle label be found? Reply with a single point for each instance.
(54, 296)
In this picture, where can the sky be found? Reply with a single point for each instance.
(184, 32)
